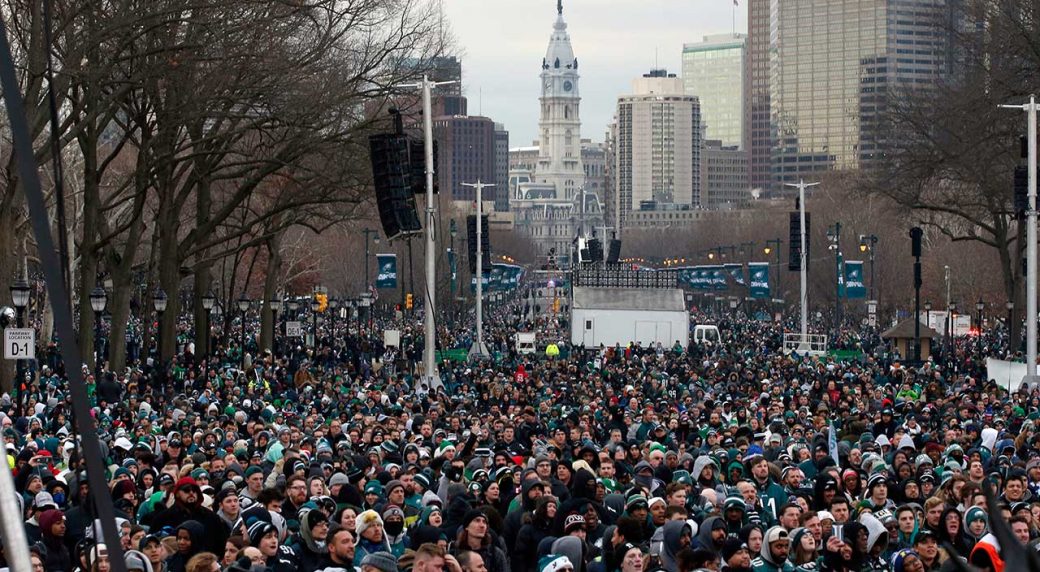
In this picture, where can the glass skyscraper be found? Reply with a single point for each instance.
(832, 64)
(714, 71)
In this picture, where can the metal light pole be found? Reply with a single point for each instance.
(1010, 306)
(333, 308)
(274, 304)
(834, 234)
(294, 307)
(947, 326)
(433, 378)
(915, 239)
(478, 350)
(315, 306)
(979, 307)
(159, 303)
(243, 307)
(868, 243)
(453, 231)
(804, 298)
(209, 301)
(20, 292)
(98, 301)
(1031, 266)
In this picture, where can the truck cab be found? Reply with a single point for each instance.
(706, 333)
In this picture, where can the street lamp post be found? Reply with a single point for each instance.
(1010, 306)
(868, 243)
(274, 304)
(208, 303)
(834, 234)
(453, 231)
(315, 306)
(979, 307)
(243, 307)
(949, 321)
(98, 301)
(333, 309)
(20, 292)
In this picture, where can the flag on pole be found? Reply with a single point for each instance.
(386, 277)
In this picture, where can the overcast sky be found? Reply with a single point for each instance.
(502, 43)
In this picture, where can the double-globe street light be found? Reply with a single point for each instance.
(98, 301)
(20, 292)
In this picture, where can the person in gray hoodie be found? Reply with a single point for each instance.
(675, 536)
(574, 549)
(877, 544)
(712, 534)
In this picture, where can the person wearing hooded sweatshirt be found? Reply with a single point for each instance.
(734, 512)
(711, 534)
(877, 544)
(975, 527)
(673, 537)
(773, 556)
(537, 527)
(393, 527)
(190, 541)
(530, 491)
(310, 543)
(908, 527)
(574, 549)
(52, 530)
(187, 506)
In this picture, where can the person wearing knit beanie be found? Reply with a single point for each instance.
(258, 530)
(380, 561)
(370, 538)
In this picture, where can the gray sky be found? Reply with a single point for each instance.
(502, 43)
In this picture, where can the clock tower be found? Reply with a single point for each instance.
(559, 125)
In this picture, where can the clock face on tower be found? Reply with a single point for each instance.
(567, 86)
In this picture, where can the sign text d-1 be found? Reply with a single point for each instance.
(19, 343)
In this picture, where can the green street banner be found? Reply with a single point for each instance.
(735, 272)
(854, 286)
(386, 277)
(718, 278)
(759, 279)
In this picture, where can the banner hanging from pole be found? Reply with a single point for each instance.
(387, 276)
(735, 272)
(759, 279)
(854, 286)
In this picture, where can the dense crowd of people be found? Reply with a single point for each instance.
(728, 456)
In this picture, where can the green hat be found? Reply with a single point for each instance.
(253, 470)
(682, 476)
(657, 447)
(609, 484)
(374, 488)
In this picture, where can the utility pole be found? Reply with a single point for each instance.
(801, 185)
(478, 350)
(430, 374)
(1030, 109)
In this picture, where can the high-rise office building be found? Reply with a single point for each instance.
(658, 146)
(832, 62)
(466, 154)
(724, 176)
(501, 168)
(759, 133)
(714, 71)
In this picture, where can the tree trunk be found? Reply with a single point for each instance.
(274, 271)
(169, 280)
(119, 313)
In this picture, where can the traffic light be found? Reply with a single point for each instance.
(794, 262)
(485, 243)
(390, 174)
(408, 301)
